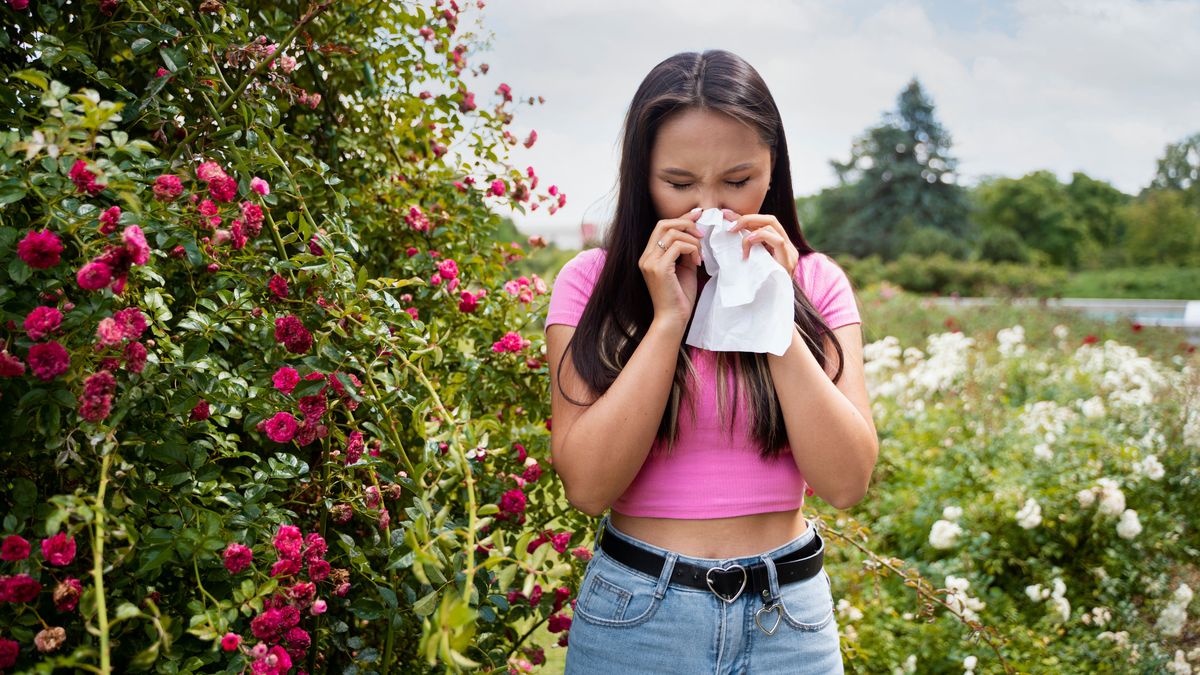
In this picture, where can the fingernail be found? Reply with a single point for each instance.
(696, 210)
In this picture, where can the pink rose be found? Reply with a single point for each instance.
(94, 276)
(48, 360)
(286, 379)
(14, 548)
(281, 428)
(237, 557)
(59, 550)
(40, 249)
(42, 321)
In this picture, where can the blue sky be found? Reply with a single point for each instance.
(1099, 86)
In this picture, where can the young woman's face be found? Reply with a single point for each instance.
(707, 159)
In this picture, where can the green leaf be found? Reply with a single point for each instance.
(33, 77)
(11, 191)
(141, 46)
(426, 605)
(195, 349)
(18, 271)
(174, 57)
(127, 610)
(48, 12)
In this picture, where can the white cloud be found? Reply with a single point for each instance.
(1099, 86)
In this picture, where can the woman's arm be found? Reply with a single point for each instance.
(829, 426)
(597, 450)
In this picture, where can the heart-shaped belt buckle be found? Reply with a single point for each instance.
(708, 579)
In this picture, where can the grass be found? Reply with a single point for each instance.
(1152, 281)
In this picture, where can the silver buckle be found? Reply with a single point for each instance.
(708, 580)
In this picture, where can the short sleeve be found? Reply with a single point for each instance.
(572, 287)
(831, 293)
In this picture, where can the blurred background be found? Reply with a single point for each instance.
(974, 148)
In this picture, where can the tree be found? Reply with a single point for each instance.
(1096, 206)
(1179, 169)
(900, 180)
(1163, 229)
(1038, 209)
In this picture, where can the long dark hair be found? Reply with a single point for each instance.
(619, 311)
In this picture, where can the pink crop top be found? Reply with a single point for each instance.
(697, 480)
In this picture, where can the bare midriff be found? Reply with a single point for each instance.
(718, 538)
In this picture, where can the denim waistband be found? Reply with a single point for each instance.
(793, 545)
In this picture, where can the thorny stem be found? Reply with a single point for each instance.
(975, 626)
(312, 13)
(98, 566)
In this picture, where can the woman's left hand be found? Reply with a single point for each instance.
(768, 230)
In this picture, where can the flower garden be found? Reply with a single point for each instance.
(273, 401)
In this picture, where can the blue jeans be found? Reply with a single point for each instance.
(629, 622)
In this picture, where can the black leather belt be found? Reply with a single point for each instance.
(726, 582)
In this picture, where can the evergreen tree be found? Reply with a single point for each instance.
(898, 192)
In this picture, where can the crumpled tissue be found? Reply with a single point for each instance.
(747, 305)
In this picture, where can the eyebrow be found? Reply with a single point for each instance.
(674, 171)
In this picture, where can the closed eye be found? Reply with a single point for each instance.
(684, 186)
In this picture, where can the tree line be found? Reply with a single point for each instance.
(899, 193)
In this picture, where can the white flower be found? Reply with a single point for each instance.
(1030, 515)
(1036, 593)
(943, 534)
(1086, 497)
(848, 611)
(1120, 637)
(1062, 606)
(952, 513)
(1174, 615)
(1093, 407)
(1149, 467)
(1179, 666)
(1100, 615)
(959, 600)
(969, 664)
(1129, 527)
(1011, 341)
(1042, 451)
(1112, 500)
(1061, 332)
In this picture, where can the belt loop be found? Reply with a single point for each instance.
(599, 530)
(664, 579)
(772, 581)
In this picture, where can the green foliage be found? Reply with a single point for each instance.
(941, 274)
(1163, 229)
(998, 244)
(156, 474)
(1165, 282)
(1038, 209)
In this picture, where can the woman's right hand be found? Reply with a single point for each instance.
(670, 270)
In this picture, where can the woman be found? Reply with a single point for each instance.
(706, 562)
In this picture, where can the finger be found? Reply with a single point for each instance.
(754, 221)
(768, 237)
(681, 248)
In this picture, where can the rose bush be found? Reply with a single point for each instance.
(271, 401)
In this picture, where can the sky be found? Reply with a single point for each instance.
(1098, 86)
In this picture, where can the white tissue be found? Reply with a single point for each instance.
(747, 304)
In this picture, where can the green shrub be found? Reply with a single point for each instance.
(273, 316)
